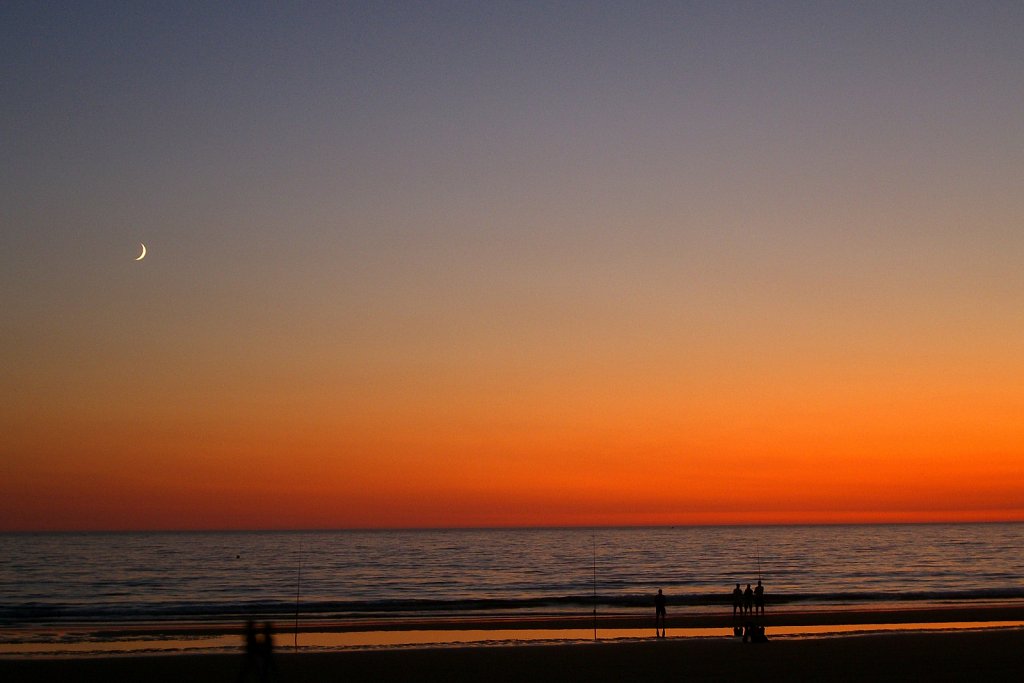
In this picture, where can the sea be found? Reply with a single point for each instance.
(51, 579)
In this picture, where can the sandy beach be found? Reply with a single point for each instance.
(996, 654)
(678, 622)
(981, 652)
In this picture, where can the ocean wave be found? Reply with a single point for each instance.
(55, 578)
(198, 611)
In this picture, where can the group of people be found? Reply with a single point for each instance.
(746, 604)
(749, 602)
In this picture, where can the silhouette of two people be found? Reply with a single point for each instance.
(259, 653)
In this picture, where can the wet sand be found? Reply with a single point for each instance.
(975, 612)
(639, 619)
(940, 656)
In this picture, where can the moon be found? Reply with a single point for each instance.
(143, 254)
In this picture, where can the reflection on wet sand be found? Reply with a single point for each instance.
(336, 640)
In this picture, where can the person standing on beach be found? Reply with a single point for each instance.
(252, 661)
(266, 644)
(759, 599)
(748, 600)
(737, 601)
(659, 614)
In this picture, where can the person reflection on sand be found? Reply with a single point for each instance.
(752, 633)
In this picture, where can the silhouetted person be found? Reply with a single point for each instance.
(253, 657)
(748, 600)
(737, 601)
(759, 599)
(266, 645)
(659, 614)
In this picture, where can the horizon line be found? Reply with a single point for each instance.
(534, 527)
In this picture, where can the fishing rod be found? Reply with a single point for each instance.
(298, 588)
(593, 540)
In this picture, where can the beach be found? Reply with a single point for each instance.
(218, 637)
(994, 654)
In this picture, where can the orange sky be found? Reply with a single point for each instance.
(511, 265)
(478, 451)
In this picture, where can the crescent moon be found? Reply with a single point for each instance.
(143, 254)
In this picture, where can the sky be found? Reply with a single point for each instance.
(509, 264)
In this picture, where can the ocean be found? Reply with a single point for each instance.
(53, 578)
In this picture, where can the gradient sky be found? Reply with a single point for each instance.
(478, 263)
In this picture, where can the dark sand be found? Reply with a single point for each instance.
(991, 655)
(926, 614)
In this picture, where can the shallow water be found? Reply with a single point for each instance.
(83, 577)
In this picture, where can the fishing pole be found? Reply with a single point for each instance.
(593, 540)
(298, 587)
